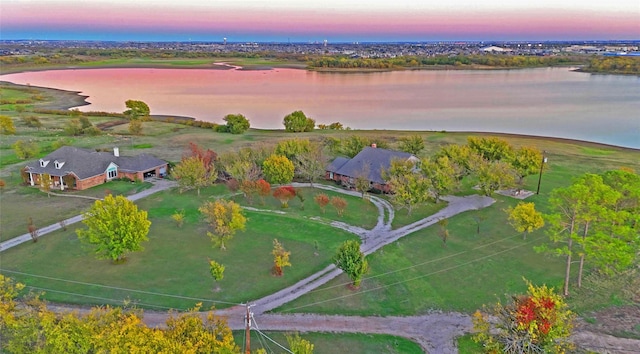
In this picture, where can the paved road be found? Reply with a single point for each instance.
(158, 185)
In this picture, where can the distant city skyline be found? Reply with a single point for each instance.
(318, 20)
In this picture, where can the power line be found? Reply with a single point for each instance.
(266, 336)
(95, 297)
(410, 279)
(415, 265)
(119, 288)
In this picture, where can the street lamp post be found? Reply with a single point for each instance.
(544, 160)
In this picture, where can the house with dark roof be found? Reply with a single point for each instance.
(77, 168)
(370, 163)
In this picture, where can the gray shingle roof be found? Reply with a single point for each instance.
(86, 163)
(370, 160)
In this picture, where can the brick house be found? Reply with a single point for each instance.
(370, 162)
(77, 168)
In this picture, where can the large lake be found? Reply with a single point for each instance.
(549, 101)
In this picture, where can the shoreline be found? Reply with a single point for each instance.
(65, 99)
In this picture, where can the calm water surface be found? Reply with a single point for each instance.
(549, 101)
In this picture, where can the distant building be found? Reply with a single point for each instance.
(495, 49)
(76, 168)
(369, 163)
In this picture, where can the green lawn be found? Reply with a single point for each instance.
(331, 343)
(360, 212)
(418, 273)
(174, 261)
(466, 345)
(21, 202)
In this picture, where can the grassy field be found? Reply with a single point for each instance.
(419, 273)
(330, 343)
(179, 256)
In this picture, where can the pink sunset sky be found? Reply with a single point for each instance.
(316, 20)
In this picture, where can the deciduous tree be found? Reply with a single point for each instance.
(191, 173)
(225, 217)
(136, 109)
(493, 176)
(291, 148)
(280, 258)
(208, 156)
(178, 217)
(352, 261)
(362, 182)
(217, 272)
(352, 145)
(278, 169)
(298, 122)
(298, 345)
(340, 204)
(34, 328)
(6, 125)
(135, 127)
(45, 183)
(538, 322)
(322, 200)
(461, 156)
(413, 144)
(115, 226)
(264, 189)
(525, 218)
(25, 149)
(491, 148)
(441, 175)
(526, 161)
(311, 164)
(284, 194)
(236, 123)
(409, 187)
(249, 189)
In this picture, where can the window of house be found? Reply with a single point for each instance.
(43, 163)
(112, 174)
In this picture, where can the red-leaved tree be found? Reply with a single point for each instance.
(538, 322)
(284, 194)
(207, 156)
(322, 200)
(264, 189)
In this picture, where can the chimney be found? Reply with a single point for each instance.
(374, 145)
(116, 152)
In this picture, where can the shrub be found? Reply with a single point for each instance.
(284, 194)
(322, 200)
(340, 204)
(538, 322)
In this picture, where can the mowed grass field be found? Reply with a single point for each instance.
(175, 260)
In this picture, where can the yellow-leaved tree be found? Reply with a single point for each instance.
(225, 217)
(280, 258)
(525, 218)
(114, 226)
(34, 328)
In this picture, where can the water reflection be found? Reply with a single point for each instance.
(549, 101)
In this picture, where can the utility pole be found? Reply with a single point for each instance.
(544, 160)
(247, 330)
